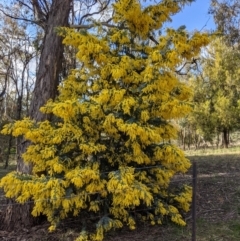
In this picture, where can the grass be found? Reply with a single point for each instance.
(218, 207)
(211, 151)
(218, 231)
(218, 195)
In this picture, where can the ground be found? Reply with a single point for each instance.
(218, 209)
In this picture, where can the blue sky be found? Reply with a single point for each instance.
(194, 17)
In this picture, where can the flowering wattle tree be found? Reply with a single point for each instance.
(107, 154)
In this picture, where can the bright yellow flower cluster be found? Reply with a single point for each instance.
(144, 21)
(108, 150)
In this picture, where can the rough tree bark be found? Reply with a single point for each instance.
(50, 64)
(45, 88)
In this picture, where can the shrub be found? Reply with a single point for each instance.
(108, 153)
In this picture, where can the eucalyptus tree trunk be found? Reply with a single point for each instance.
(50, 64)
(47, 80)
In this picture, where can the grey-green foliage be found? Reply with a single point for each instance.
(226, 15)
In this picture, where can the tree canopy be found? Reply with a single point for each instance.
(226, 15)
(216, 92)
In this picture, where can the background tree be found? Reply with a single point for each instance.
(217, 93)
(107, 152)
(226, 15)
(17, 56)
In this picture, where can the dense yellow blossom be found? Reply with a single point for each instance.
(108, 152)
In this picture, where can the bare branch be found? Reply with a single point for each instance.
(96, 12)
(153, 39)
(26, 5)
(88, 26)
(179, 71)
(38, 13)
(45, 6)
(20, 18)
(205, 25)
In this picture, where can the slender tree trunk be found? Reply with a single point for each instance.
(45, 88)
(189, 139)
(184, 139)
(228, 136)
(8, 152)
(180, 138)
(218, 140)
(225, 138)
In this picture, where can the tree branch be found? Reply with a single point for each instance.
(19, 18)
(38, 13)
(96, 12)
(26, 5)
(88, 26)
(179, 71)
(45, 6)
(153, 39)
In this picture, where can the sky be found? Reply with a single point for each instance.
(194, 17)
